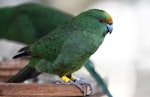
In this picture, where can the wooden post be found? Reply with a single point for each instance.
(51, 90)
(10, 68)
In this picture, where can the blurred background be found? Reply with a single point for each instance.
(124, 56)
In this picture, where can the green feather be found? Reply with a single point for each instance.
(28, 22)
(74, 40)
(70, 45)
(33, 18)
(90, 67)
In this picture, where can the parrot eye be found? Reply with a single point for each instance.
(100, 20)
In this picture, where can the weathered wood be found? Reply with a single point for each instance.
(19, 89)
(10, 73)
(13, 64)
(10, 68)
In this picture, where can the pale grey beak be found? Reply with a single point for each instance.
(110, 28)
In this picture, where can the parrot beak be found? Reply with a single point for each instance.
(110, 28)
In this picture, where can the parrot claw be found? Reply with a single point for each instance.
(78, 85)
(71, 80)
(71, 83)
(83, 82)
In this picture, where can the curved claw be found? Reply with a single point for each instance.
(83, 82)
(78, 83)
(72, 83)
(78, 86)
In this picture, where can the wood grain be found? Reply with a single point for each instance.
(10, 68)
(51, 90)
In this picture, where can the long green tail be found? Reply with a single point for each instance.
(90, 67)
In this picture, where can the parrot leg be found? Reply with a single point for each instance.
(81, 82)
(71, 80)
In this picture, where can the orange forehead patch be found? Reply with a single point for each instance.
(108, 18)
(109, 21)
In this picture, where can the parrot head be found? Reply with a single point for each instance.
(109, 22)
(102, 16)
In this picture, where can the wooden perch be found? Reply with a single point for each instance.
(19, 89)
(10, 68)
(13, 64)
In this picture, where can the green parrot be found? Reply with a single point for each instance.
(67, 48)
(28, 22)
(14, 20)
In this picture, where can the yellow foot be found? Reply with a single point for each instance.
(65, 79)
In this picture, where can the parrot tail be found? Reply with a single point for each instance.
(90, 67)
(23, 52)
(26, 73)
